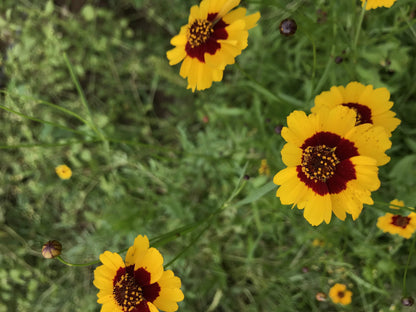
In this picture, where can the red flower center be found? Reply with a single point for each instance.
(131, 289)
(341, 294)
(400, 221)
(203, 36)
(199, 32)
(319, 162)
(363, 113)
(326, 166)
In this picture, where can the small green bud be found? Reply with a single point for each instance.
(51, 249)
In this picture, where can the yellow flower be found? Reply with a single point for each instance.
(395, 204)
(213, 37)
(371, 105)
(63, 171)
(331, 163)
(139, 284)
(318, 242)
(339, 294)
(264, 168)
(374, 4)
(397, 224)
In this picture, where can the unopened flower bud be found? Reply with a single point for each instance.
(408, 301)
(288, 27)
(51, 249)
(320, 296)
(278, 129)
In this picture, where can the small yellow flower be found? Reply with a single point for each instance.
(318, 242)
(63, 171)
(339, 294)
(395, 204)
(264, 168)
(397, 224)
(374, 4)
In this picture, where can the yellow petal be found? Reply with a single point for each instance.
(136, 253)
(176, 55)
(300, 127)
(318, 209)
(223, 7)
(339, 120)
(152, 262)
(371, 141)
(112, 260)
(291, 155)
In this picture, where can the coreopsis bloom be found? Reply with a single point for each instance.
(371, 105)
(138, 284)
(398, 224)
(339, 294)
(63, 171)
(214, 36)
(331, 163)
(264, 168)
(374, 4)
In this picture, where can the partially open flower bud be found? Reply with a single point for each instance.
(51, 249)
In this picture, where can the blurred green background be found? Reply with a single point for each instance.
(149, 156)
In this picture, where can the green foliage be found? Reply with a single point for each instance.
(87, 84)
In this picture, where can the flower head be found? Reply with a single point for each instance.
(371, 105)
(398, 224)
(331, 163)
(374, 4)
(214, 36)
(63, 171)
(339, 294)
(138, 284)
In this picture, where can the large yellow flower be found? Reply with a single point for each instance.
(339, 294)
(139, 284)
(371, 105)
(331, 163)
(213, 37)
(374, 4)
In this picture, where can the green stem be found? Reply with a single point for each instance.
(77, 264)
(29, 145)
(157, 241)
(357, 33)
(57, 107)
(91, 123)
(41, 120)
(412, 248)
